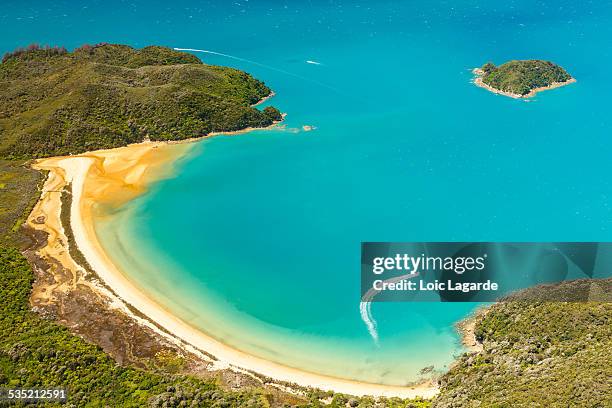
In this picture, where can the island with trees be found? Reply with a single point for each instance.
(521, 78)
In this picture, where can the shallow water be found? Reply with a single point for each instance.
(256, 241)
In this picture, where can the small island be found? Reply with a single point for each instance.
(521, 79)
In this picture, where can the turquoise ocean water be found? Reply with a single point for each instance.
(256, 240)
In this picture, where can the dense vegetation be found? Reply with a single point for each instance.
(521, 77)
(54, 102)
(538, 354)
(18, 194)
(48, 51)
(36, 352)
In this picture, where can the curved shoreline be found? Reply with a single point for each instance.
(125, 172)
(480, 83)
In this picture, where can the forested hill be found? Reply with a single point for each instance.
(538, 352)
(55, 102)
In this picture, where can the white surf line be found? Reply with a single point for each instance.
(282, 71)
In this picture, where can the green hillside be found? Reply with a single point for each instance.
(538, 353)
(54, 102)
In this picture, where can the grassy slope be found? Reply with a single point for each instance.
(537, 354)
(112, 95)
(18, 194)
(520, 77)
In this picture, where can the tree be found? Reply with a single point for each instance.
(272, 113)
(488, 68)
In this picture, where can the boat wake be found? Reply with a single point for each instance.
(366, 315)
(365, 306)
(282, 71)
(240, 59)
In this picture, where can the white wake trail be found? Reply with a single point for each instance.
(366, 303)
(237, 59)
(282, 71)
(368, 319)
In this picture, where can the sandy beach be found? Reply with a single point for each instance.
(114, 176)
(479, 82)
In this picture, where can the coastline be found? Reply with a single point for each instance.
(467, 329)
(264, 99)
(124, 173)
(479, 82)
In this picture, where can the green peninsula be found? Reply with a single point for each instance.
(521, 79)
(54, 102)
